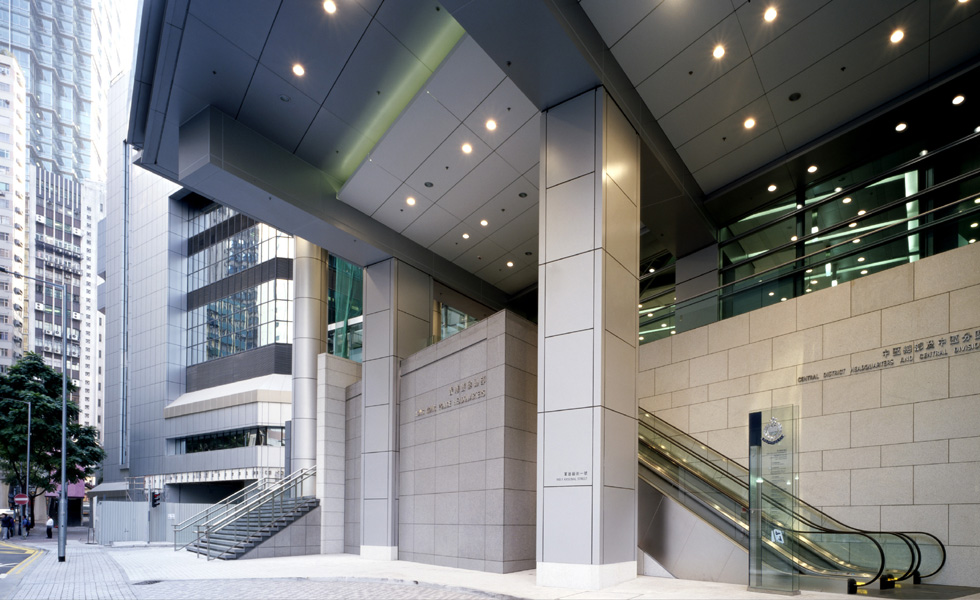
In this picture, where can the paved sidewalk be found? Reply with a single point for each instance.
(152, 572)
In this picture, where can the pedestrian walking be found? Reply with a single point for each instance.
(26, 524)
(5, 527)
(49, 525)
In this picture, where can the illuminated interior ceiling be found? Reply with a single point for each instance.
(392, 89)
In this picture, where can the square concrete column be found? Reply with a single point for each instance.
(397, 316)
(587, 331)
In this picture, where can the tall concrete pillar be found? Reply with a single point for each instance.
(310, 283)
(397, 316)
(587, 330)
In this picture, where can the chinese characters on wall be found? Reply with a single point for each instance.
(908, 353)
(460, 393)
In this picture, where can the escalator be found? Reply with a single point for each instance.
(694, 520)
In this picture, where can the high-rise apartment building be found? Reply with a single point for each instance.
(67, 51)
(15, 309)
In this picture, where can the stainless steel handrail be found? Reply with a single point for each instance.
(249, 511)
(220, 506)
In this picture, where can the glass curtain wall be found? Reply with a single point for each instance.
(251, 316)
(345, 310)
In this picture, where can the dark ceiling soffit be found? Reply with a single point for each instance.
(528, 45)
(552, 52)
(580, 30)
(205, 148)
(165, 25)
(689, 227)
(826, 143)
(151, 21)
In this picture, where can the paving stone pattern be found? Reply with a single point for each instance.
(91, 572)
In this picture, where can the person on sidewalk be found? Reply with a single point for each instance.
(26, 524)
(5, 527)
(49, 525)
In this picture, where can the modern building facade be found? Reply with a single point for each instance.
(15, 243)
(67, 52)
(696, 205)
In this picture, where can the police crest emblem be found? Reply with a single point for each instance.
(772, 433)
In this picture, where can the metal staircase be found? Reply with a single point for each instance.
(236, 525)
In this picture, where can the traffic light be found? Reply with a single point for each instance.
(155, 499)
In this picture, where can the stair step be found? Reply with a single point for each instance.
(242, 535)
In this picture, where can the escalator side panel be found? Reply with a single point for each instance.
(685, 545)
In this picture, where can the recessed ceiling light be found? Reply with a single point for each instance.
(897, 36)
(674, 332)
(772, 187)
(861, 212)
(770, 14)
(483, 222)
(663, 324)
(329, 6)
(901, 127)
(719, 51)
(860, 259)
(782, 299)
(856, 241)
(639, 306)
(792, 239)
(510, 263)
(427, 184)
(972, 225)
(298, 70)
(837, 189)
(846, 200)
(522, 195)
(641, 338)
(466, 236)
(795, 96)
(864, 271)
(491, 124)
(284, 97)
(410, 201)
(973, 241)
(811, 169)
(853, 225)
(809, 270)
(923, 152)
(959, 99)
(772, 293)
(467, 148)
(977, 130)
(813, 282)
(749, 123)
(652, 269)
(808, 290)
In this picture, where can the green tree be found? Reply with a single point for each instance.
(30, 380)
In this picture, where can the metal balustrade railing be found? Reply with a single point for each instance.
(259, 515)
(185, 532)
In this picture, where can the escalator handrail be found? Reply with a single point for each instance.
(812, 568)
(915, 552)
(942, 549)
(738, 501)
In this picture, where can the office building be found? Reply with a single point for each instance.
(687, 210)
(15, 310)
(66, 51)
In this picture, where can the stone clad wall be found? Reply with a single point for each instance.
(886, 372)
(468, 449)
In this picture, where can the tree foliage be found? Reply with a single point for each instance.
(30, 380)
